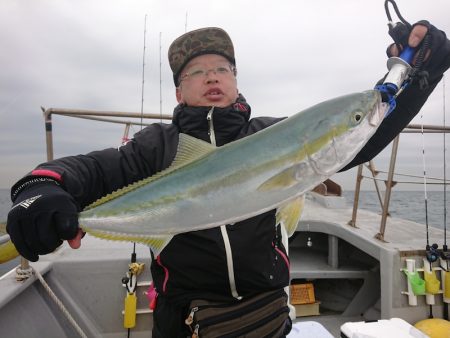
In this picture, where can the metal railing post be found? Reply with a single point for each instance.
(387, 194)
(359, 178)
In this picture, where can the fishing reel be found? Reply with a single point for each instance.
(445, 254)
(432, 253)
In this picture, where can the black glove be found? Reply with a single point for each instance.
(436, 47)
(42, 216)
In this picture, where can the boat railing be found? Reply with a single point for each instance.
(135, 118)
(389, 181)
(97, 115)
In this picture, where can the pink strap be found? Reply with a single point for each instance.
(47, 173)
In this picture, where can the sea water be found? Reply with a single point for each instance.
(408, 205)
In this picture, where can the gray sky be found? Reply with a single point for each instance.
(290, 55)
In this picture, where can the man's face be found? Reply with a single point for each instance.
(207, 80)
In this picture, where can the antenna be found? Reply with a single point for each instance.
(143, 70)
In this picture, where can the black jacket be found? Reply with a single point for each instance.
(195, 263)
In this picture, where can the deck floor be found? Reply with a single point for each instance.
(400, 235)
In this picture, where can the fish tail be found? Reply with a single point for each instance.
(7, 249)
(7, 252)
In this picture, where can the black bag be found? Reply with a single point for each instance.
(264, 315)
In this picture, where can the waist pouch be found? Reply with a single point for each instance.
(260, 316)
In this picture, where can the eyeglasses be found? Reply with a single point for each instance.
(198, 73)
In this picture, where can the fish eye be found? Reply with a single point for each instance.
(357, 116)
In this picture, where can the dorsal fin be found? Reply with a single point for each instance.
(189, 150)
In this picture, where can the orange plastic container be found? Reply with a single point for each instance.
(302, 294)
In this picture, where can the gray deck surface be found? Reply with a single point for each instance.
(400, 234)
(106, 262)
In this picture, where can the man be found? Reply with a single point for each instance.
(234, 261)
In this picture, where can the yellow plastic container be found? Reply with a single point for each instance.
(432, 284)
(129, 319)
(434, 328)
(447, 284)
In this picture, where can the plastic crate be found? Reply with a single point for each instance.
(302, 294)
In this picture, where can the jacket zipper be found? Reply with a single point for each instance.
(212, 135)
(282, 254)
(223, 229)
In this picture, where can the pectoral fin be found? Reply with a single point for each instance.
(289, 214)
(286, 179)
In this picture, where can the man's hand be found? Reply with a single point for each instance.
(414, 39)
(437, 53)
(41, 217)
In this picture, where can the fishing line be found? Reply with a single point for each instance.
(445, 168)
(429, 257)
(424, 180)
(444, 248)
(133, 255)
(160, 80)
(143, 71)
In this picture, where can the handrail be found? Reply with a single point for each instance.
(98, 115)
(390, 183)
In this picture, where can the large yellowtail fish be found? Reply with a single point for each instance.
(208, 186)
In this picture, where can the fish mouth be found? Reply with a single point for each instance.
(379, 111)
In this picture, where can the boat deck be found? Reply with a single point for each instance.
(401, 235)
(88, 280)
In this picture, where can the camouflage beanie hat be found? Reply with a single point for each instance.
(210, 40)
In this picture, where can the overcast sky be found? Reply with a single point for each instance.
(290, 55)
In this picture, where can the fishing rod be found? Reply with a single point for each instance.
(445, 248)
(432, 253)
(445, 255)
(130, 280)
(143, 70)
(160, 79)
